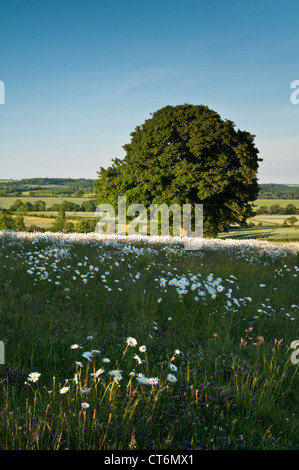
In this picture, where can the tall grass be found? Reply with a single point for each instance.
(214, 328)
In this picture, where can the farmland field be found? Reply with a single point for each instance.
(270, 232)
(46, 222)
(142, 344)
(276, 219)
(69, 214)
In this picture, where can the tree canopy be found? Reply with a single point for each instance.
(187, 154)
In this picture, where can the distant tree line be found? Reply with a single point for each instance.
(278, 191)
(290, 209)
(40, 206)
(72, 187)
(47, 187)
(61, 224)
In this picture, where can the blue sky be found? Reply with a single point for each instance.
(80, 75)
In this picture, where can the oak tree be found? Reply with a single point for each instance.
(187, 154)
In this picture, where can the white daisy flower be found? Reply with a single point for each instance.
(33, 376)
(138, 359)
(131, 341)
(87, 355)
(153, 380)
(97, 373)
(115, 372)
(171, 378)
(144, 380)
(85, 405)
(117, 377)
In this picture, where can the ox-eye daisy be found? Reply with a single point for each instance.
(131, 341)
(153, 380)
(87, 355)
(138, 359)
(115, 372)
(97, 373)
(33, 376)
(171, 378)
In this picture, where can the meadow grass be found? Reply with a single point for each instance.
(143, 345)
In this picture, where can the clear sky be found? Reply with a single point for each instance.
(80, 75)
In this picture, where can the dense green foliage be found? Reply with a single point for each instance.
(187, 154)
(6, 221)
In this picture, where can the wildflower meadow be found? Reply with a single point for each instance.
(137, 343)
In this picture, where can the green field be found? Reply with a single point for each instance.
(269, 233)
(46, 222)
(147, 346)
(268, 219)
(78, 214)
